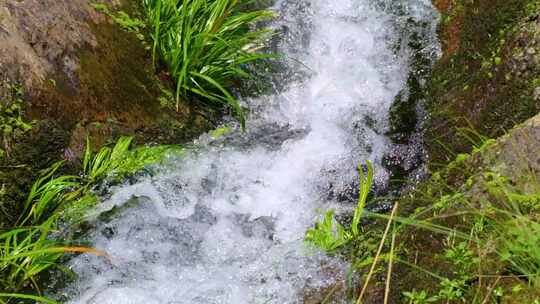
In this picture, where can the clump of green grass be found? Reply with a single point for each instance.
(50, 191)
(206, 45)
(96, 166)
(46, 194)
(29, 249)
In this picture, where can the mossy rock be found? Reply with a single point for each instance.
(83, 75)
(487, 77)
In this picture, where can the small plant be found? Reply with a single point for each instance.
(452, 289)
(365, 186)
(125, 21)
(328, 234)
(419, 297)
(12, 123)
(462, 258)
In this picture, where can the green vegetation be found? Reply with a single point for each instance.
(29, 249)
(206, 46)
(486, 227)
(12, 123)
(328, 234)
(219, 132)
(27, 252)
(124, 20)
(360, 246)
(487, 242)
(463, 236)
(142, 158)
(120, 161)
(47, 193)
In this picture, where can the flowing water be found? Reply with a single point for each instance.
(225, 222)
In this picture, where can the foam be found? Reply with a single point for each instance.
(225, 224)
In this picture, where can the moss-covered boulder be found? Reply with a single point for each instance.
(81, 73)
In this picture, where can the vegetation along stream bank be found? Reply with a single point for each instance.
(270, 151)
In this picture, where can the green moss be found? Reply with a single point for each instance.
(478, 81)
(119, 75)
(12, 122)
(38, 149)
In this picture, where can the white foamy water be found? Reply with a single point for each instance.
(225, 223)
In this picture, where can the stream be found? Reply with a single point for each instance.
(225, 222)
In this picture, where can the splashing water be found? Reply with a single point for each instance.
(225, 223)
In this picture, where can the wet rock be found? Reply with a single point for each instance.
(272, 136)
(262, 227)
(333, 293)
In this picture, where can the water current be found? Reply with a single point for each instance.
(225, 222)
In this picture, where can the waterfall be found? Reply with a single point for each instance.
(225, 222)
